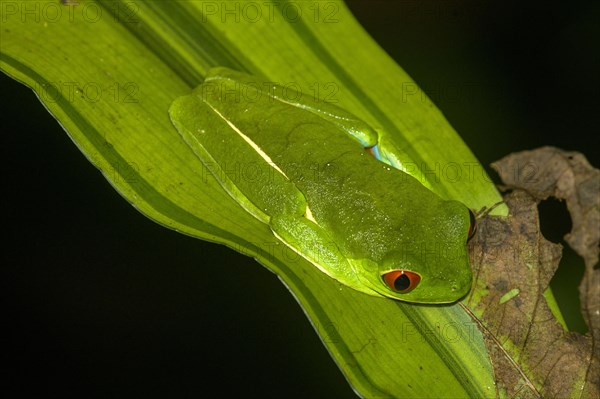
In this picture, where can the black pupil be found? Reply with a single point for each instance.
(402, 282)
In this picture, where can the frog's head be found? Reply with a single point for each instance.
(432, 269)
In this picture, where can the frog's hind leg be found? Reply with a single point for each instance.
(348, 122)
(237, 163)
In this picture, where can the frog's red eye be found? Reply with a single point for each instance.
(401, 281)
(472, 226)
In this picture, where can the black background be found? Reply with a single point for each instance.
(101, 301)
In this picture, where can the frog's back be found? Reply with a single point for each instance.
(348, 191)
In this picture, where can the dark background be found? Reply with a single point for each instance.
(99, 299)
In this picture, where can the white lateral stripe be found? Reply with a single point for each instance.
(309, 215)
(317, 265)
(249, 141)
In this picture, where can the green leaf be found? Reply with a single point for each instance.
(108, 72)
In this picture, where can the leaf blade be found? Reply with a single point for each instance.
(140, 153)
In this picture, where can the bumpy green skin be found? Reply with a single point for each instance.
(367, 217)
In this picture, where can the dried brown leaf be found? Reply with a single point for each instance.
(513, 264)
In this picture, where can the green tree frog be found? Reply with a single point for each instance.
(310, 171)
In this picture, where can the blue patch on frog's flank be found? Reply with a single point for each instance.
(376, 152)
(381, 157)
